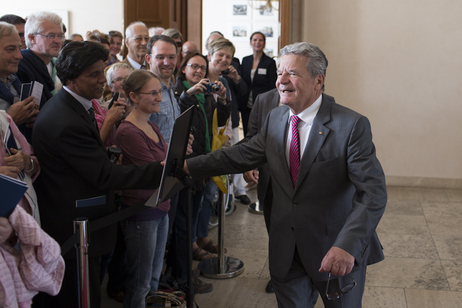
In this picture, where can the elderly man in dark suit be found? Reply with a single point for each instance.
(77, 179)
(328, 186)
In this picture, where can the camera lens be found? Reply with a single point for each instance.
(215, 88)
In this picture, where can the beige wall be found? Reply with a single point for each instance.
(400, 64)
(84, 15)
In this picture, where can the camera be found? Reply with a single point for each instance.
(113, 154)
(212, 88)
(226, 71)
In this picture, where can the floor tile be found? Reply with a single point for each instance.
(380, 297)
(453, 270)
(448, 247)
(442, 209)
(454, 195)
(416, 193)
(407, 273)
(403, 224)
(408, 246)
(237, 292)
(445, 226)
(433, 299)
(399, 207)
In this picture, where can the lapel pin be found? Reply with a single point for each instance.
(320, 133)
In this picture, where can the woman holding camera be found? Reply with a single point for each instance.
(193, 88)
(146, 232)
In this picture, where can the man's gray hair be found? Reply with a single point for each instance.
(35, 21)
(129, 30)
(174, 34)
(317, 61)
(6, 29)
(113, 68)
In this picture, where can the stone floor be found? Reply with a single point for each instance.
(421, 232)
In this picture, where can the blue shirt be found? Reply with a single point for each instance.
(169, 111)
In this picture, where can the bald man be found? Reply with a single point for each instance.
(189, 46)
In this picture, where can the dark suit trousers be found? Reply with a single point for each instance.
(298, 290)
(68, 295)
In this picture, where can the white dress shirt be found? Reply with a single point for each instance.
(304, 127)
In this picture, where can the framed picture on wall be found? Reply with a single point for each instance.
(240, 32)
(237, 10)
(269, 29)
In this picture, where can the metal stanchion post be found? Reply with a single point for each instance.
(221, 266)
(81, 226)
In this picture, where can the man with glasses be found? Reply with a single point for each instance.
(162, 59)
(328, 186)
(44, 39)
(136, 41)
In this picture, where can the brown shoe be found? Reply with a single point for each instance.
(201, 286)
(199, 254)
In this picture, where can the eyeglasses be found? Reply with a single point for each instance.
(162, 57)
(138, 39)
(119, 79)
(195, 66)
(52, 36)
(153, 93)
(344, 290)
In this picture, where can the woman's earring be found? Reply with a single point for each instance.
(136, 106)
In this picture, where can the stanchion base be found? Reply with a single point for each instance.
(254, 208)
(210, 268)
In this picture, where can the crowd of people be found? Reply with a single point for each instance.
(93, 98)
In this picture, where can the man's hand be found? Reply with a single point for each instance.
(10, 171)
(115, 115)
(24, 112)
(337, 261)
(18, 159)
(251, 176)
(189, 149)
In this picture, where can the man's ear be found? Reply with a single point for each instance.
(148, 58)
(31, 38)
(319, 81)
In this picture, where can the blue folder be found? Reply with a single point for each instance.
(11, 191)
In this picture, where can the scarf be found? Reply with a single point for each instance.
(201, 100)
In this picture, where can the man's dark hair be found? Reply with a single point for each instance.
(76, 57)
(13, 19)
(156, 38)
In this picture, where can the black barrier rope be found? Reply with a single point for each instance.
(104, 222)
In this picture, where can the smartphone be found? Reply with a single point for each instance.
(114, 98)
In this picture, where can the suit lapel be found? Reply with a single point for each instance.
(80, 110)
(282, 127)
(318, 136)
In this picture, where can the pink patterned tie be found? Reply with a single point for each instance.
(294, 149)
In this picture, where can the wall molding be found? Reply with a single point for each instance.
(424, 182)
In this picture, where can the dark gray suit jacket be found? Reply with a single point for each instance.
(339, 197)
